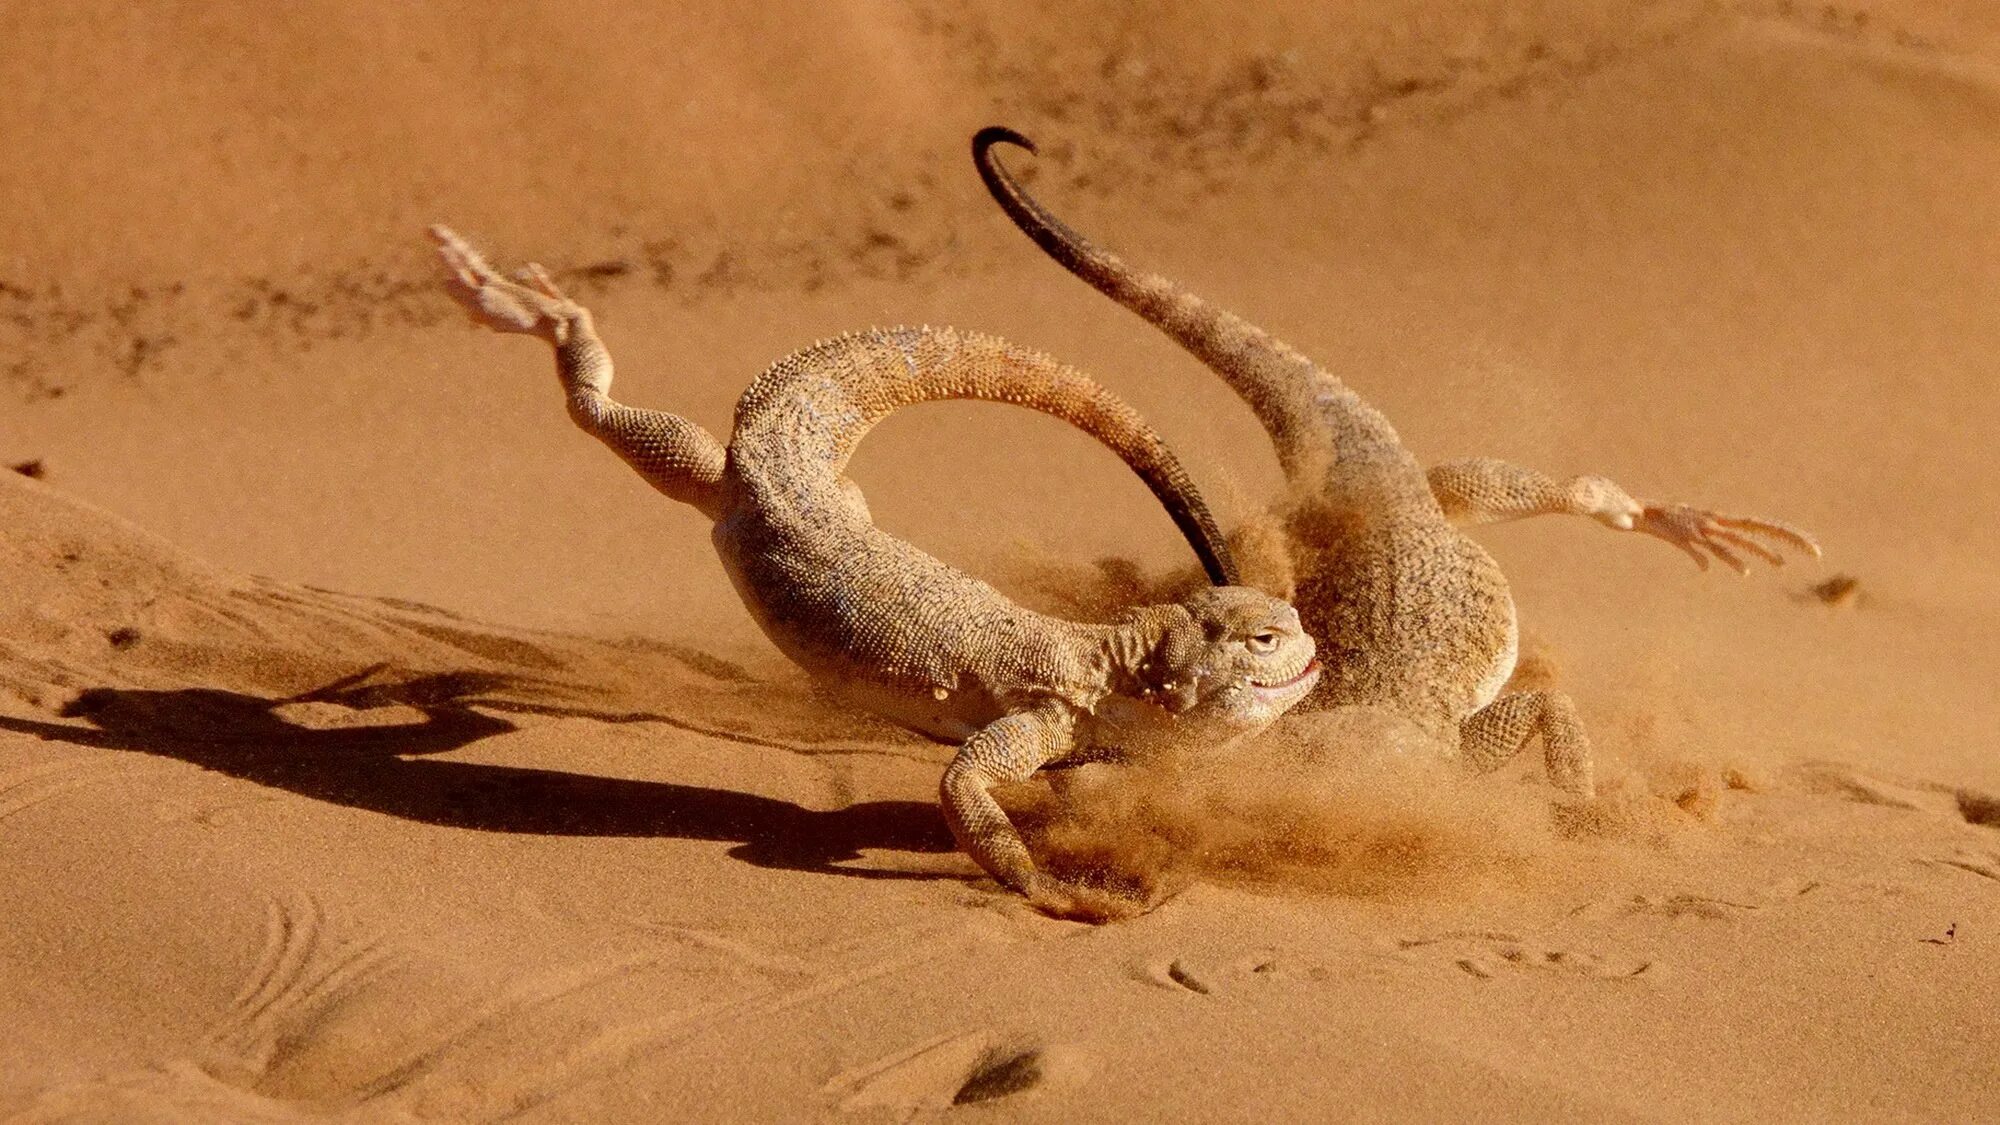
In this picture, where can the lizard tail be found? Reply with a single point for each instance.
(859, 378)
(1327, 438)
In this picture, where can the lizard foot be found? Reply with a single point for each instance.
(528, 303)
(1696, 530)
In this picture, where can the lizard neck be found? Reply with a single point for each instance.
(1134, 652)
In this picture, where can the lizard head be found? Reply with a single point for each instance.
(1228, 655)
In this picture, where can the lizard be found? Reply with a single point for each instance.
(897, 632)
(1412, 615)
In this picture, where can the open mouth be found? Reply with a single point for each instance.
(1311, 669)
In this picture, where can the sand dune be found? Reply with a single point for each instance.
(528, 822)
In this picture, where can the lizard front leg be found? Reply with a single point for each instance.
(1006, 750)
(673, 454)
(1483, 490)
(1493, 735)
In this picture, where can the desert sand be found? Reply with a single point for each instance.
(374, 746)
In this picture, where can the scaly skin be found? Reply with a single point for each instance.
(891, 628)
(1411, 614)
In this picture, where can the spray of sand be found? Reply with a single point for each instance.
(1348, 802)
(1146, 832)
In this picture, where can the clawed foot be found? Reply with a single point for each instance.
(529, 302)
(1696, 530)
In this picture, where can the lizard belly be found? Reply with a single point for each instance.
(1502, 669)
(942, 714)
(1415, 618)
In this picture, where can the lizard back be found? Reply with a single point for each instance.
(832, 588)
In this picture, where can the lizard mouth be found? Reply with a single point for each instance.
(1310, 671)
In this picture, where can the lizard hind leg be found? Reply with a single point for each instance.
(673, 454)
(1493, 735)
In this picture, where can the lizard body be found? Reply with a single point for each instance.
(1410, 613)
(896, 631)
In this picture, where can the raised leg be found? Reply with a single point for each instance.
(1482, 490)
(1499, 731)
(1007, 750)
(673, 454)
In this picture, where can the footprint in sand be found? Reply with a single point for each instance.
(24, 788)
(1862, 787)
(1985, 864)
(964, 1068)
(1485, 954)
(1258, 969)
(1681, 906)
(1982, 809)
(512, 1045)
(1946, 802)
(299, 976)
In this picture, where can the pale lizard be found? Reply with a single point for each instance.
(1411, 614)
(895, 630)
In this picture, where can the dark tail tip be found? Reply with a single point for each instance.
(994, 135)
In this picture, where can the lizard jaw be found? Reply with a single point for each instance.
(1310, 671)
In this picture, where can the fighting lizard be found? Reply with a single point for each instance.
(1412, 616)
(894, 630)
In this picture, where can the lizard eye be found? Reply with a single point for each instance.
(1266, 641)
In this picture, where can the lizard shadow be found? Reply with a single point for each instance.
(393, 769)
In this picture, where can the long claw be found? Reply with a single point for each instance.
(1700, 559)
(1784, 533)
(1726, 555)
(540, 279)
(497, 301)
(1748, 544)
(447, 239)
(460, 257)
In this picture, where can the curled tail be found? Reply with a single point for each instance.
(1327, 438)
(813, 407)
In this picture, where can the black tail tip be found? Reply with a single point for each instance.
(997, 134)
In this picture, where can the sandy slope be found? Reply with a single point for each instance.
(270, 852)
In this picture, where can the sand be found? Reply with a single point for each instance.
(374, 746)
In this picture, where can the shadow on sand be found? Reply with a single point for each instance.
(391, 769)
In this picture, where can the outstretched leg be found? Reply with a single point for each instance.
(1006, 750)
(1495, 733)
(1482, 490)
(673, 454)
